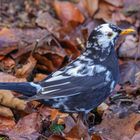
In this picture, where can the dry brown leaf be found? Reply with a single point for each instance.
(128, 72)
(8, 99)
(6, 124)
(90, 6)
(7, 64)
(69, 124)
(56, 137)
(102, 107)
(115, 128)
(2, 57)
(39, 77)
(117, 3)
(45, 20)
(129, 47)
(27, 128)
(79, 131)
(4, 77)
(67, 12)
(6, 112)
(105, 11)
(96, 137)
(42, 60)
(8, 41)
(136, 137)
(118, 17)
(27, 69)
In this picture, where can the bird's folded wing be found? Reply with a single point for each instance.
(65, 86)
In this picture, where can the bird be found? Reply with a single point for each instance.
(85, 82)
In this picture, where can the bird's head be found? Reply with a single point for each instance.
(103, 38)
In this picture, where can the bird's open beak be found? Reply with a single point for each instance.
(127, 31)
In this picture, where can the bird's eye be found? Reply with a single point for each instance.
(109, 34)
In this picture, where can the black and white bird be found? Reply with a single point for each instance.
(86, 82)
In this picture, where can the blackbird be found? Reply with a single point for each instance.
(84, 83)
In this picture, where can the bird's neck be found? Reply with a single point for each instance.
(95, 57)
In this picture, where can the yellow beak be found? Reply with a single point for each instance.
(127, 31)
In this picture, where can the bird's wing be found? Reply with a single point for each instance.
(66, 85)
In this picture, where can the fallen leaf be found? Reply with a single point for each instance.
(90, 6)
(6, 112)
(26, 69)
(8, 99)
(136, 137)
(117, 3)
(4, 77)
(129, 48)
(96, 137)
(28, 125)
(45, 20)
(7, 64)
(6, 124)
(128, 71)
(69, 124)
(102, 107)
(79, 131)
(105, 11)
(115, 128)
(56, 137)
(44, 62)
(67, 12)
(8, 41)
(39, 77)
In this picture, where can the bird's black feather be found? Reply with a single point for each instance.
(84, 83)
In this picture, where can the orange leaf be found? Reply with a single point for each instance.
(6, 123)
(67, 12)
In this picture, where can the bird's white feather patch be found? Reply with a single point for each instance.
(112, 86)
(108, 76)
(55, 86)
(49, 91)
(58, 77)
(37, 86)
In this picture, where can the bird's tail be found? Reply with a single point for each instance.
(25, 88)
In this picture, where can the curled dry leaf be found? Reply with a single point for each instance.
(79, 131)
(4, 77)
(114, 128)
(39, 77)
(105, 11)
(6, 112)
(129, 48)
(128, 72)
(117, 3)
(90, 6)
(6, 124)
(67, 12)
(45, 20)
(44, 63)
(102, 107)
(7, 64)
(56, 137)
(27, 69)
(8, 99)
(69, 124)
(8, 41)
(118, 17)
(26, 128)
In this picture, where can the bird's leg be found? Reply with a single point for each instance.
(83, 116)
(73, 116)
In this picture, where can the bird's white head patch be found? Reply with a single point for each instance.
(102, 39)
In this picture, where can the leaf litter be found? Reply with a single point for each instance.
(61, 29)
